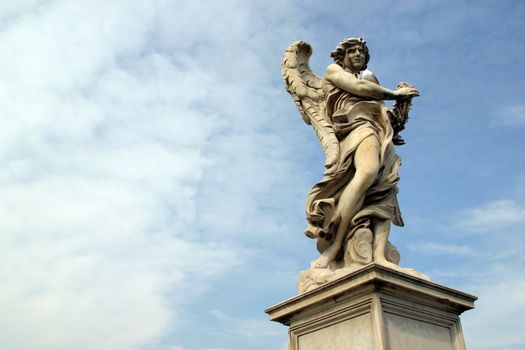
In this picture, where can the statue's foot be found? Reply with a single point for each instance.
(320, 263)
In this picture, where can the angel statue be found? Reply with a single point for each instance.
(350, 210)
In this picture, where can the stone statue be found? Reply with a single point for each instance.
(350, 210)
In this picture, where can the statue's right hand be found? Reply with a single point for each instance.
(407, 92)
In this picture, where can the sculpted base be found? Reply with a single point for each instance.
(375, 308)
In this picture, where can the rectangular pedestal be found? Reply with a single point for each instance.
(375, 308)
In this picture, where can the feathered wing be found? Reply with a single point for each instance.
(306, 90)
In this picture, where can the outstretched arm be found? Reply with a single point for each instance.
(342, 79)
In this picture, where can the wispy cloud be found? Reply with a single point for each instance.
(148, 151)
(441, 248)
(259, 330)
(513, 115)
(495, 217)
(107, 145)
(138, 151)
(496, 322)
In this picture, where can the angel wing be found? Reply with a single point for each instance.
(306, 90)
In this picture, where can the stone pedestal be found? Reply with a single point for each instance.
(375, 308)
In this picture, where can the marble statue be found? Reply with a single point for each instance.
(350, 210)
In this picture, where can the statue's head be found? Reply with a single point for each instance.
(348, 47)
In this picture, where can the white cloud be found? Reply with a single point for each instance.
(115, 143)
(104, 147)
(492, 269)
(255, 330)
(485, 259)
(513, 115)
(11, 10)
(78, 251)
(441, 248)
(496, 322)
(496, 217)
(141, 163)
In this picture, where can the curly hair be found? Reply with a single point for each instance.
(339, 53)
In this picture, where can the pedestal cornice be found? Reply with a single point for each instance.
(374, 277)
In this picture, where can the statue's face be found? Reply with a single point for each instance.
(355, 58)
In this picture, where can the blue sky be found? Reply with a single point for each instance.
(155, 170)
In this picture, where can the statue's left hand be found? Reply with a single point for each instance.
(406, 92)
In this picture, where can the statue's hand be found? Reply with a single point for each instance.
(406, 92)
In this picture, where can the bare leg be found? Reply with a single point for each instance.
(366, 162)
(381, 232)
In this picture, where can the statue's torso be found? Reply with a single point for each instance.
(348, 112)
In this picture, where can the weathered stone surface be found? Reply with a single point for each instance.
(354, 333)
(375, 308)
(350, 210)
(408, 333)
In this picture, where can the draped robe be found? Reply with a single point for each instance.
(354, 119)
